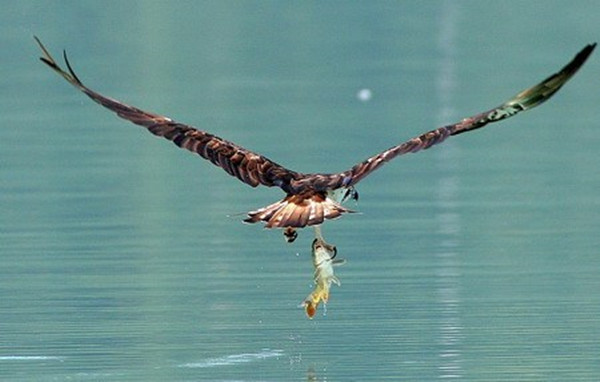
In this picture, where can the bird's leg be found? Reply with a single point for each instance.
(290, 234)
(319, 240)
(318, 233)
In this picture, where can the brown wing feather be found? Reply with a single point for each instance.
(247, 166)
(306, 202)
(525, 100)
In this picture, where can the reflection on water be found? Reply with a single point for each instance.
(448, 220)
(311, 376)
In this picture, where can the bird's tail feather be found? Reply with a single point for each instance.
(298, 211)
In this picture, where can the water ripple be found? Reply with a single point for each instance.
(234, 359)
(30, 358)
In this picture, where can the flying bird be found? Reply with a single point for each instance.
(310, 199)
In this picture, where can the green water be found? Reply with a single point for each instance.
(122, 258)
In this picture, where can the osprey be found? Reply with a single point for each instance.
(310, 199)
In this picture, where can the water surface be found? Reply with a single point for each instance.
(122, 258)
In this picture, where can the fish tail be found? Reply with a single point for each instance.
(312, 301)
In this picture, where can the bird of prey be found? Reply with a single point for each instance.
(310, 199)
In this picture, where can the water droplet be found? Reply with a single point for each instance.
(364, 95)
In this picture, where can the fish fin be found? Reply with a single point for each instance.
(338, 262)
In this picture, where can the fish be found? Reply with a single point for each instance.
(323, 258)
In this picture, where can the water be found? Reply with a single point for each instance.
(122, 258)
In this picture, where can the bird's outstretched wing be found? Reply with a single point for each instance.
(247, 166)
(525, 100)
(307, 201)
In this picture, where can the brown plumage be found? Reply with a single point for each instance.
(310, 198)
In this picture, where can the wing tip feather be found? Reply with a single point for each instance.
(47, 59)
